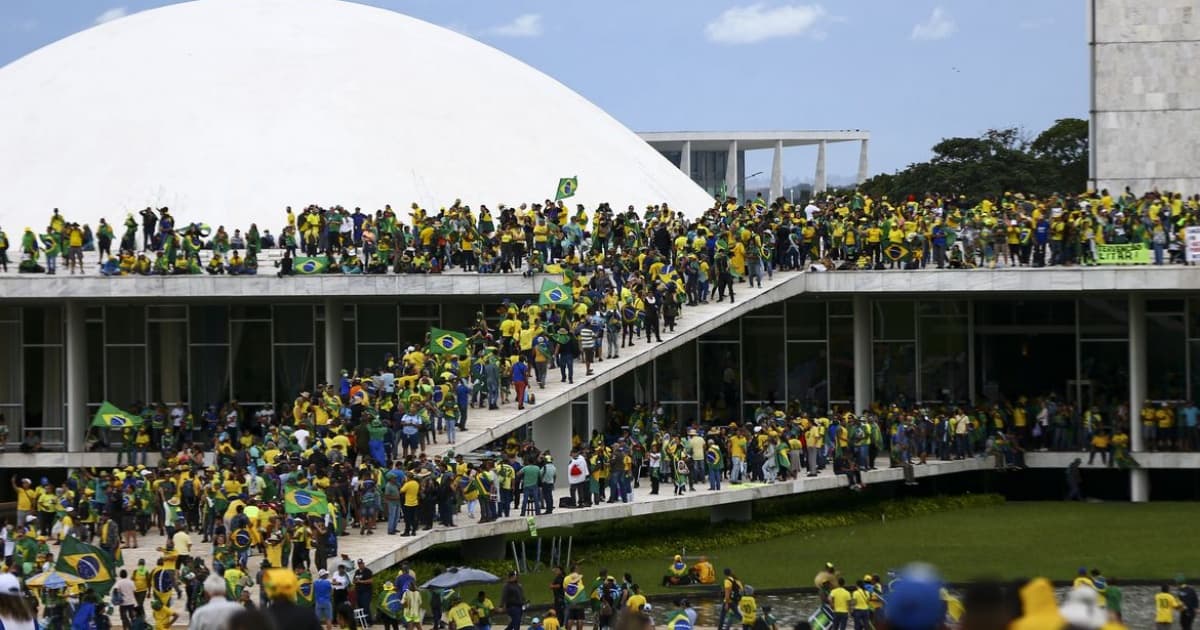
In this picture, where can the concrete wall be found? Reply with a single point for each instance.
(1146, 94)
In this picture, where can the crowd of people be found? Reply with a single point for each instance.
(831, 231)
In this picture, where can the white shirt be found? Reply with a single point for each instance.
(128, 597)
(301, 436)
(340, 582)
(214, 615)
(577, 472)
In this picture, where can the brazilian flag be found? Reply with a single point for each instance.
(566, 188)
(896, 252)
(392, 605)
(162, 584)
(92, 564)
(302, 501)
(110, 417)
(555, 294)
(304, 591)
(447, 342)
(241, 539)
(310, 265)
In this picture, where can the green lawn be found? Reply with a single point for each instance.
(1124, 540)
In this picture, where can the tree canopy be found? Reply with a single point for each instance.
(998, 161)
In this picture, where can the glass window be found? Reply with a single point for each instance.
(168, 360)
(808, 374)
(1025, 312)
(422, 311)
(413, 331)
(208, 324)
(1166, 363)
(10, 314)
(765, 373)
(1194, 318)
(209, 376)
(125, 375)
(172, 311)
(1164, 306)
(841, 359)
(676, 377)
(372, 356)
(944, 359)
(727, 332)
(250, 311)
(44, 389)
(10, 363)
(895, 371)
(841, 307)
(125, 324)
(720, 378)
(770, 309)
(251, 351)
(631, 388)
(944, 307)
(1101, 318)
(43, 325)
(293, 324)
(348, 341)
(95, 361)
(293, 371)
(894, 320)
(459, 316)
(677, 415)
(1104, 369)
(377, 323)
(806, 320)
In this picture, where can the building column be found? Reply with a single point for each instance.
(1139, 478)
(552, 432)
(731, 170)
(334, 360)
(819, 180)
(77, 367)
(777, 172)
(863, 171)
(685, 158)
(862, 353)
(597, 412)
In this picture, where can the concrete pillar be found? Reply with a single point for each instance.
(685, 158)
(777, 172)
(597, 412)
(77, 367)
(169, 336)
(731, 170)
(819, 179)
(863, 170)
(1139, 478)
(552, 432)
(334, 360)
(741, 512)
(863, 385)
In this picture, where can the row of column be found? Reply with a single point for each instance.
(820, 183)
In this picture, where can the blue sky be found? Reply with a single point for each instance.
(909, 71)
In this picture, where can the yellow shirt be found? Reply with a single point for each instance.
(25, 498)
(551, 623)
(411, 489)
(840, 598)
(737, 447)
(1165, 605)
(163, 618)
(748, 609)
(460, 616)
(635, 602)
(862, 600)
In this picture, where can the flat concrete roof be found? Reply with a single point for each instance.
(747, 140)
(1026, 281)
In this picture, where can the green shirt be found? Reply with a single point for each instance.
(531, 475)
(1113, 596)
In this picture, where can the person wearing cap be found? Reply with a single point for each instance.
(322, 592)
(15, 612)
(26, 498)
(731, 589)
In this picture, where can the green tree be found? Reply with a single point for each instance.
(1064, 148)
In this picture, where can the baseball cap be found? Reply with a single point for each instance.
(915, 603)
(9, 585)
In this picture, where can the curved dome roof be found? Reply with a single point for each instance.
(229, 110)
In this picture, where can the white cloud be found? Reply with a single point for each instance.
(114, 13)
(757, 22)
(939, 26)
(528, 25)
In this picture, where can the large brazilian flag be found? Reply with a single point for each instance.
(110, 417)
(309, 265)
(566, 188)
(447, 342)
(555, 294)
(92, 564)
(304, 501)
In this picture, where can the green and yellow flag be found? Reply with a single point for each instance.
(110, 417)
(92, 564)
(163, 583)
(309, 265)
(566, 188)
(304, 501)
(447, 342)
(555, 294)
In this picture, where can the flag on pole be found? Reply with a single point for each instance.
(447, 342)
(108, 416)
(555, 294)
(92, 564)
(566, 188)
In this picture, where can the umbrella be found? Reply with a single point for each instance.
(53, 580)
(459, 576)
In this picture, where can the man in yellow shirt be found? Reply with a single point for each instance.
(860, 598)
(411, 492)
(636, 600)
(26, 495)
(840, 601)
(737, 452)
(1165, 605)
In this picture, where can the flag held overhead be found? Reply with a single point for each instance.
(555, 294)
(566, 188)
(108, 416)
(447, 342)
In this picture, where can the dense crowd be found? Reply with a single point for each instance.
(850, 230)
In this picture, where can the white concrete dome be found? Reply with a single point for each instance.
(228, 110)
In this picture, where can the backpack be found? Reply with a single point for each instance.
(189, 490)
(117, 599)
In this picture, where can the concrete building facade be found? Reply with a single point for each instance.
(1145, 94)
